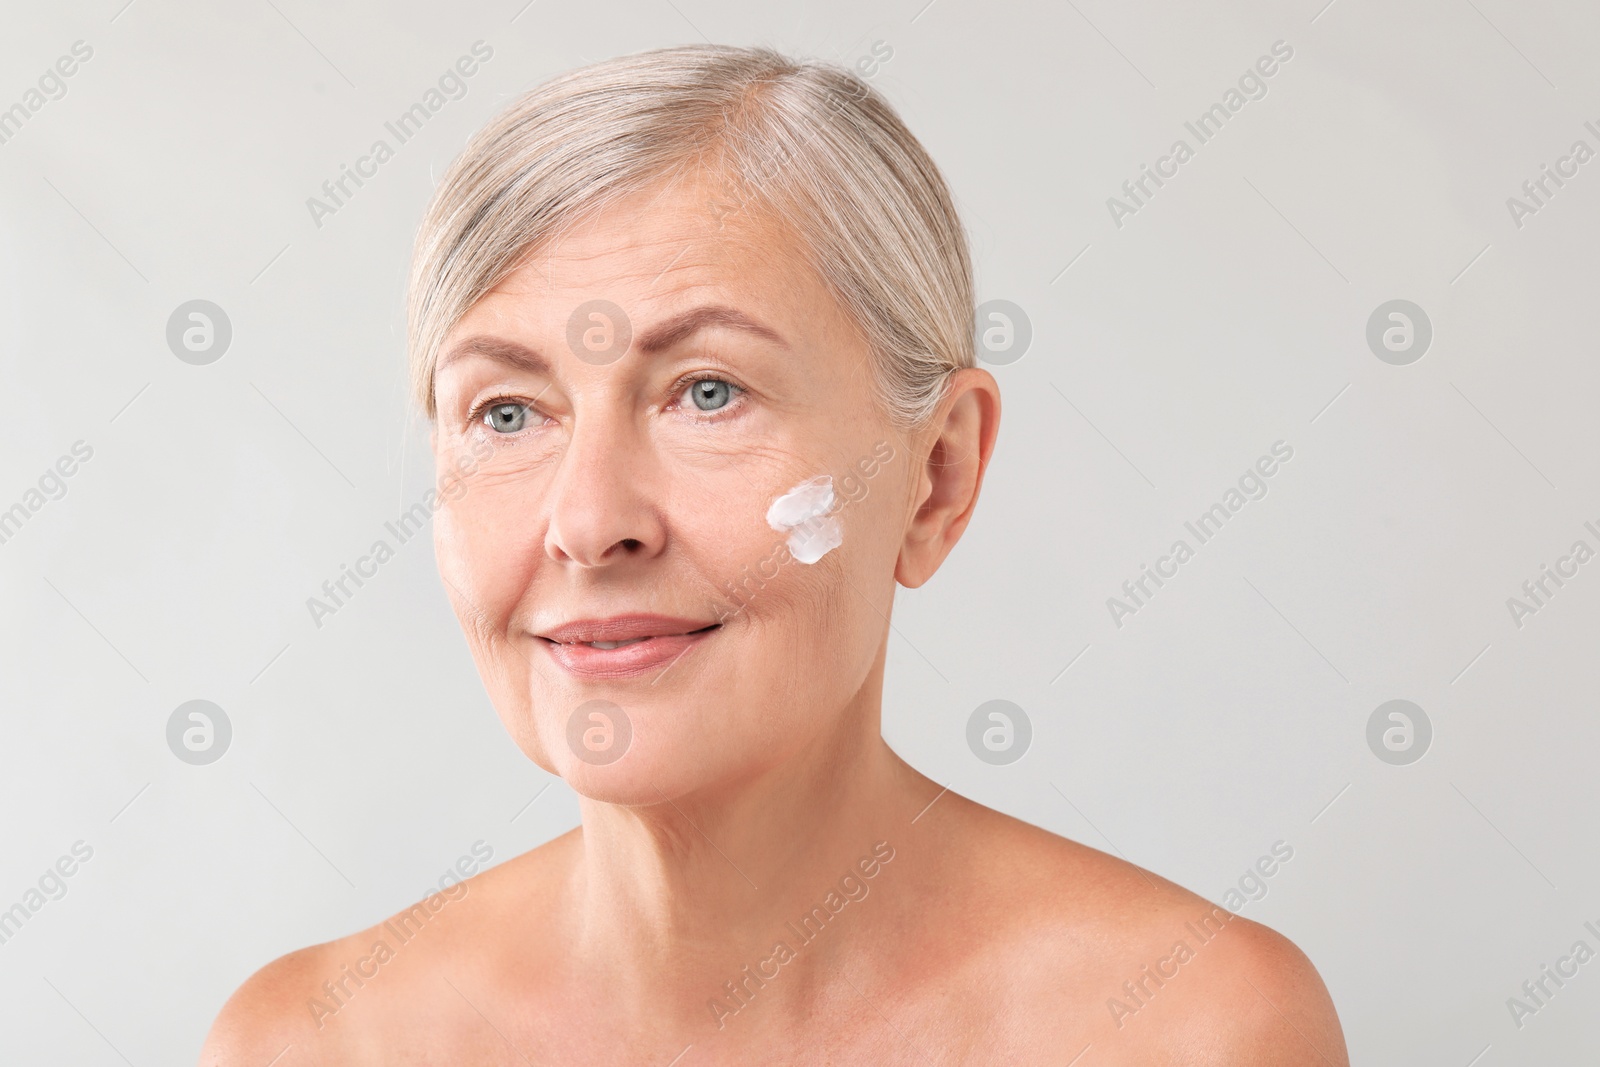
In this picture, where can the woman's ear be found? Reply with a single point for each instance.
(958, 443)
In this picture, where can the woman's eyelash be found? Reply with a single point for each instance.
(476, 415)
(478, 412)
(736, 391)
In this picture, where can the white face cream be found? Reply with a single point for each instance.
(802, 512)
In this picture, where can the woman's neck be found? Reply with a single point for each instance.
(669, 901)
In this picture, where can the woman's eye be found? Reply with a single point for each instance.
(710, 394)
(506, 418)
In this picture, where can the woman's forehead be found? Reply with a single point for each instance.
(653, 255)
(681, 228)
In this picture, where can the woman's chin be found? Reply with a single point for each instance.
(649, 751)
(634, 780)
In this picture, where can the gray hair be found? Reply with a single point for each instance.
(808, 142)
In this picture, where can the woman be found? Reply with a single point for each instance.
(694, 328)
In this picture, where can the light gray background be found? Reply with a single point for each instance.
(1168, 354)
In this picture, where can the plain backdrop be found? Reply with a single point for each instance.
(1171, 347)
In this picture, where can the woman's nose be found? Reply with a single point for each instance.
(602, 501)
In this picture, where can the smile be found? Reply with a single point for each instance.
(623, 645)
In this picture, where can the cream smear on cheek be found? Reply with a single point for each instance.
(802, 513)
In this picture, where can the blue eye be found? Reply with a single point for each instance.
(506, 418)
(710, 394)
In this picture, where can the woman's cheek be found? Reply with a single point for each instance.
(486, 558)
(486, 573)
(761, 576)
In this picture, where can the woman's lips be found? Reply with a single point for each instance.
(641, 644)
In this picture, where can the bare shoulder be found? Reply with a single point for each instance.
(355, 999)
(1268, 1004)
(267, 1015)
(1140, 968)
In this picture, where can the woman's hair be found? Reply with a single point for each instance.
(808, 143)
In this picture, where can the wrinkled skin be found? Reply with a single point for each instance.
(756, 785)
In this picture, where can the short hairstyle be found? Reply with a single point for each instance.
(808, 142)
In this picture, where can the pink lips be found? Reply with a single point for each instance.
(655, 641)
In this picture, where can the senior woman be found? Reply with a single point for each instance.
(695, 331)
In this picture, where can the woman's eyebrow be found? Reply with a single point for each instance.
(674, 331)
(499, 349)
(680, 327)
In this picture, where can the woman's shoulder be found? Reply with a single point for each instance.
(1141, 961)
(329, 1002)
(266, 1013)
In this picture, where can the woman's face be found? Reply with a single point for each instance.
(615, 421)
